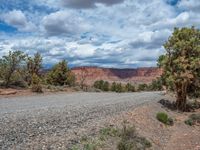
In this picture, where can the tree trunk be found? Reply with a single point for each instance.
(181, 91)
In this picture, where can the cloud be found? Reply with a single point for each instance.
(17, 19)
(179, 21)
(151, 40)
(191, 5)
(85, 4)
(64, 23)
(126, 34)
(55, 49)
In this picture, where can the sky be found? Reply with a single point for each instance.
(105, 33)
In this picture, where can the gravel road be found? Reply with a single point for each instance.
(48, 121)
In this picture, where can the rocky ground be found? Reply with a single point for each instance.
(53, 121)
(60, 121)
(177, 137)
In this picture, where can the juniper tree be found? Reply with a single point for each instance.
(34, 66)
(60, 75)
(10, 65)
(181, 63)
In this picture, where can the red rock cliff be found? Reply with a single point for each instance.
(139, 75)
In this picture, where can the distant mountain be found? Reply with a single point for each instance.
(139, 75)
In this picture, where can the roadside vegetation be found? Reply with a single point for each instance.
(164, 118)
(155, 85)
(181, 65)
(193, 119)
(122, 138)
(18, 70)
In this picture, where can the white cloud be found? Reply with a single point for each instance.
(179, 21)
(128, 34)
(85, 4)
(17, 19)
(191, 5)
(64, 23)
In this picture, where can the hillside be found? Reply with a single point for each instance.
(139, 75)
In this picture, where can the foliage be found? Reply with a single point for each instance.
(125, 145)
(90, 146)
(129, 87)
(119, 88)
(17, 80)
(142, 87)
(83, 76)
(75, 148)
(193, 119)
(34, 66)
(20, 70)
(36, 84)
(156, 85)
(113, 87)
(60, 75)
(189, 122)
(126, 137)
(102, 85)
(163, 117)
(106, 86)
(10, 65)
(181, 63)
(71, 79)
(131, 141)
(109, 131)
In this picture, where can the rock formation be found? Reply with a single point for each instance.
(135, 76)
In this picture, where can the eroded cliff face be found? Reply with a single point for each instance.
(139, 75)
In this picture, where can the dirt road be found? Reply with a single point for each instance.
(47, 121)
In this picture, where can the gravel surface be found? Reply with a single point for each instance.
(48, 121)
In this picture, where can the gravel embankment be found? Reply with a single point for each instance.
(47, 121)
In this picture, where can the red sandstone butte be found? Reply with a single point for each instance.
(135, 76)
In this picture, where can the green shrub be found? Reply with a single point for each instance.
(127, 135)
(36, 85)
(125, 145)
(109, 131)
(119, 88)
(142, 87)
(189, 122)
(193, 119)
(129, 88)
(11, 64)
(131, 141)
(163, 117)
(60, 75)
(90, 146)
(128, 132)
(144, 142)
(102, 85)
(17, 80)
(71, 79)
(106, 86)
(33, 66)
(170, 121)
(75, 148)
(113, 87)
(156, 85)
